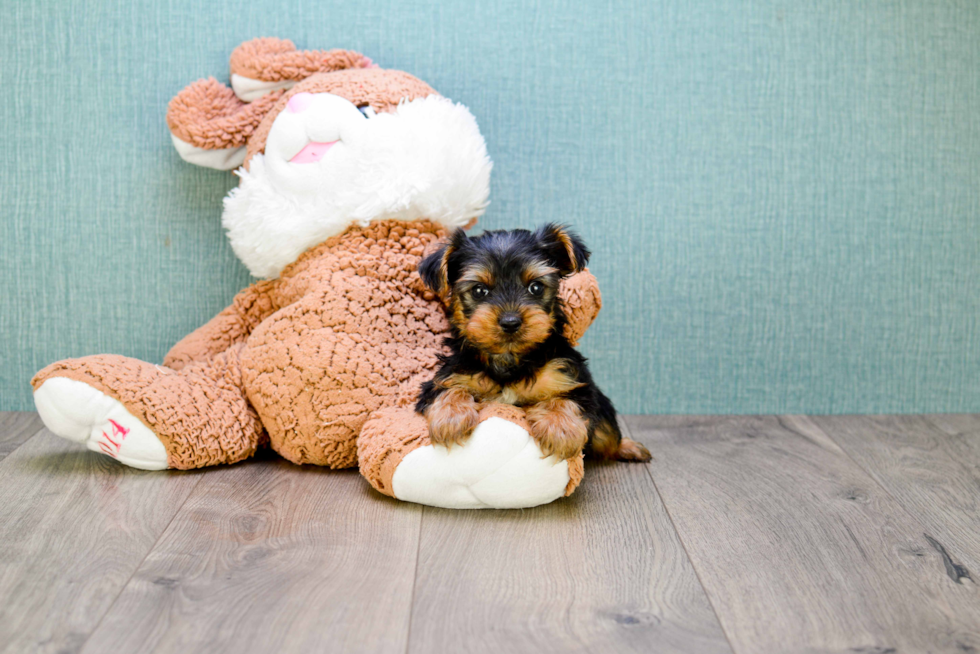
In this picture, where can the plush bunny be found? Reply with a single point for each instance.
(349, 174)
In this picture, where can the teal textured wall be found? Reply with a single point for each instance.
(782, 196)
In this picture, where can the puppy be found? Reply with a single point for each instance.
(507, 342)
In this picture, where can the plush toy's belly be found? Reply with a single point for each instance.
(315, 371)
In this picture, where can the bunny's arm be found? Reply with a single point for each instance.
(580, 296)
(233, 325)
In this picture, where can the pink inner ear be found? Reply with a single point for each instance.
(300, 102)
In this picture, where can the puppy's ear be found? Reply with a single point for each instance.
(437, 270)
(565, 249)
(432, 271)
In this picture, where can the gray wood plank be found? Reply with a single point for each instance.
(15, 428)
(74, 526)
(600, 571)
(270, 557)
(798, 548)
(933, 473)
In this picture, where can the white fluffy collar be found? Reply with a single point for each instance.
(427, 159)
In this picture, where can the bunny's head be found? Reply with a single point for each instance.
(323, 140)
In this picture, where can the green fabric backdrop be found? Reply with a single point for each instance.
(782, 196)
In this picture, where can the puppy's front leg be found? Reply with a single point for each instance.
(558, 427)
(452, 416)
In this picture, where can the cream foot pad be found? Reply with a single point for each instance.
(500, 466)
(76, 411)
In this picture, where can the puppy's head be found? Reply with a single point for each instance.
(502, 286)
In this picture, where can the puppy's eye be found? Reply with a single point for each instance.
(480, 291)
(535, 288)
(366, 110)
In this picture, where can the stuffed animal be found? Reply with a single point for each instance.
(349, 174)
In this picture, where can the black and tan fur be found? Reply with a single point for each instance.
(507, 344)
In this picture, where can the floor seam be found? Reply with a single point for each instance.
(957, 435)
(23, 443)
(415, 583)
(687, 553)
(870, 475)
(149, 551)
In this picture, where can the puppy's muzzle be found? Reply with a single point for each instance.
(510, 322)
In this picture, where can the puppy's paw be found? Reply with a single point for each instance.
(558, 427)
(609, 444)
(452, 418)
(630, 450)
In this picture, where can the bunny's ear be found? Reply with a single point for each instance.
(209, 125)
(262, 66)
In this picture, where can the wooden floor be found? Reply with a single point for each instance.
(745, 534)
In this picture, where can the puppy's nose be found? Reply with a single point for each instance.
(510, 322)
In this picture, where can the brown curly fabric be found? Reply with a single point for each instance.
(390, 434)
(275, 60)
(353, 334)
(200, 413)
(207, 114)
(580, 296)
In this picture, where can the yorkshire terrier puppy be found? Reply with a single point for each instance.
(508, 344)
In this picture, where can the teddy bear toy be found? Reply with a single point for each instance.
(349, 175)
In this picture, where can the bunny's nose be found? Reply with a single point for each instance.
(510, 322)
